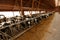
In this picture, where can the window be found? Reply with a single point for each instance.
(10, 13)
(33, 12)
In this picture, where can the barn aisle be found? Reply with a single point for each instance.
(54, 30)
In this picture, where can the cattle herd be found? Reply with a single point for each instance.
(13, 27)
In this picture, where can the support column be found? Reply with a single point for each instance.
(45, 11)
(39, 11)
(22, 13)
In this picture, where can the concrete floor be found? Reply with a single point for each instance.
(48, 29)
